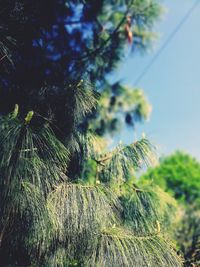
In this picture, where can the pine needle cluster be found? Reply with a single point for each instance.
(101, 218)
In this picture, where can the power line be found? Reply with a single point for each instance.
(171, 36)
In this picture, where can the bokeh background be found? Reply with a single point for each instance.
(171, 83)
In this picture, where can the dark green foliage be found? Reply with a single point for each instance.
(47, 45)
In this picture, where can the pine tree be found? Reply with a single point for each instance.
(45, 45)
(98, 219)
(66, 200)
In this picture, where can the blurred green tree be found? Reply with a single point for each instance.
(179, 175)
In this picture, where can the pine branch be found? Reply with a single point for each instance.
(141, 149)
(117, 165)
(32, 162)
(85, 205)
(146, 210)
(124, 249)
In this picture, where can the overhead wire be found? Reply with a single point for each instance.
(168, 40)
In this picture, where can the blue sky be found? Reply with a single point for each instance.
(172, 84)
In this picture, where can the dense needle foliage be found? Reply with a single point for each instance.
(48, 219)
(66, 200)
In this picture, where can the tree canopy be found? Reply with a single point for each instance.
(178, 174)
